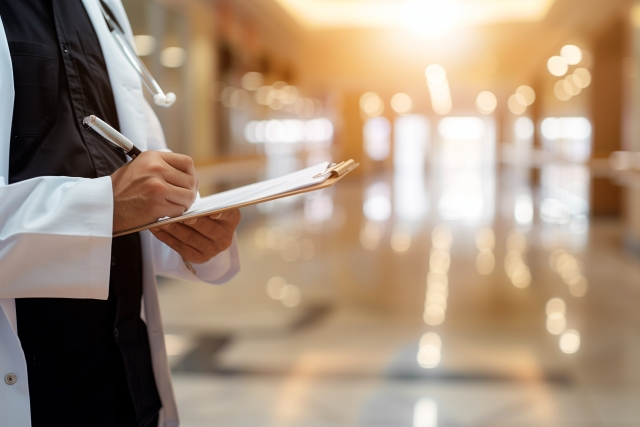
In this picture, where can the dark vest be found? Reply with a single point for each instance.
(88, 361)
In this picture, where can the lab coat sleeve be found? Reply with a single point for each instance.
(55, 237)
(169, 263)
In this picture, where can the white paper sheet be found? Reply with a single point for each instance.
(260, 190)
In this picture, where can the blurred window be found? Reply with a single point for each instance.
(377, 133)
(410, 145)
(567, 138)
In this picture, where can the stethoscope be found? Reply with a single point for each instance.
(159, 97)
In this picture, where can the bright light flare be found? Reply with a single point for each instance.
(430, 18)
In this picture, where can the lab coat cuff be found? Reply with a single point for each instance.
(219, 269)
(100, 195)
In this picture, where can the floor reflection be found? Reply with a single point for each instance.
(423, 298)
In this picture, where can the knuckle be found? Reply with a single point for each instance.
(155, 168)
(175, 245)
(191, 239)
(156, 187)
(188, 161)
(191, 181)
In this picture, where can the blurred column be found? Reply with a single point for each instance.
(536, 118)
(200, 77)
(351, 144)
(632, 125)
(606, 113)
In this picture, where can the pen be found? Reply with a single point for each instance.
(110, 136)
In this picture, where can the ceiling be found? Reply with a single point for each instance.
(322, 14)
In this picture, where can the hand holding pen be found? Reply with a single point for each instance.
(155, 185)
(158, 184)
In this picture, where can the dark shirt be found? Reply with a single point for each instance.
(88, 361)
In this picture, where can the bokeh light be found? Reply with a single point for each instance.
(173, 57)
(570, 341)
(517, 104)
(401, 103)
(371, 104)
(571, 54)
(252, 81)
(557, 66)
(145, 44)
(527, 93)
(486, 102)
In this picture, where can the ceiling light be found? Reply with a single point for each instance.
(430, 17)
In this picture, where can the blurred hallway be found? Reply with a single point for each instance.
(357, 340)
(479, 269)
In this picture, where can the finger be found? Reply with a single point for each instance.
(192, 237)
(187, 252)
(232, 215)
(178, 178)
(205, 226)
(179, 161)
(221, 233)
(180, 196)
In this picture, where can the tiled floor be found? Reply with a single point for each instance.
(341, 347)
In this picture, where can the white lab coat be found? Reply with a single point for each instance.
(55, 232)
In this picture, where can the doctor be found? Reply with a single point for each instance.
(81, 340)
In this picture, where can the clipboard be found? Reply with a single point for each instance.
(304, 181)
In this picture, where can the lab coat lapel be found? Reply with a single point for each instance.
(6, 105)
(125, 81)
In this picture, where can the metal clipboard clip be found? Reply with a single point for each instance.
(337, 169)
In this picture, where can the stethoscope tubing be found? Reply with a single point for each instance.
(159, 97)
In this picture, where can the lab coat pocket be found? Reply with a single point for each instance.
(35, 78)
